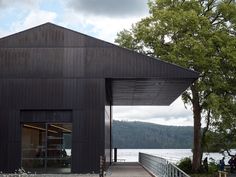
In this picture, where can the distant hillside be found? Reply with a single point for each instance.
(128, 135)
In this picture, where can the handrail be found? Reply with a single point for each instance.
(160, 167)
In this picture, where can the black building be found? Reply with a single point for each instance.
(57, 87)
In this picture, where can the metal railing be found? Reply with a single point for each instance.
(160, 167)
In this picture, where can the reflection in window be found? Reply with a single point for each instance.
(46, 147)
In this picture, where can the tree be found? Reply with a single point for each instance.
(199, 35)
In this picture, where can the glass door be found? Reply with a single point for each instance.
(59, 148)
(46, 147)
(33, 146)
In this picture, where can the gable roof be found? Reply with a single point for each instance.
(50, 35)
(136, 79)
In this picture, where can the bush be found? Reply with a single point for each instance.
(203, 175)
(212, 167)
(185, 164)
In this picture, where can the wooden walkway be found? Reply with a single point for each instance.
(232, 175)
(127, 169)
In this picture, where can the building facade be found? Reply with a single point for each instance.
(57, 87)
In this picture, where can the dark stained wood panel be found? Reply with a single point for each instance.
(87, 140)
(117, 62)
(10, 147)
(41, 63)
(46, 116)
(112, 62)
(50, 35)
(4, 139)
(88, 128)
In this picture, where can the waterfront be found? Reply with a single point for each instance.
(172, 155)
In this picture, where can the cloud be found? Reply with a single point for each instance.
(13, 3)
(4, 32)
(24, 16)
(105, 28)
(168, 115)
(115, 8)
(21, 15)
(34, 18)
(2, 3)
(103, 25)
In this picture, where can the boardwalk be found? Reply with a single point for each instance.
(232, 175)
(127, 169)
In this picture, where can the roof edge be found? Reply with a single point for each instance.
(194, 73)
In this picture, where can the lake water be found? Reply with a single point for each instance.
(172, 155)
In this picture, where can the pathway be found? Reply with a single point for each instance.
(127, 169)
(232, 175)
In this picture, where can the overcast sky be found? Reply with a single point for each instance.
(101, 19)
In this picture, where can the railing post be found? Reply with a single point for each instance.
(115, 154)
(139, 158)
(172, 171)
(167, 170)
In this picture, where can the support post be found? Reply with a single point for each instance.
(115, 154)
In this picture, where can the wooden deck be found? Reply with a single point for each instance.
(232, 175)
(127, 169)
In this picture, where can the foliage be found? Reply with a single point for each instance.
(199, 35)
(213, 172)
(213, 168)
(220, 140)
(130, 135)
(185, 164)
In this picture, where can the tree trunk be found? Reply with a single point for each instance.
(197, 150)
(204, 131)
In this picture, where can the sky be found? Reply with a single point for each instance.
(102, 19)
